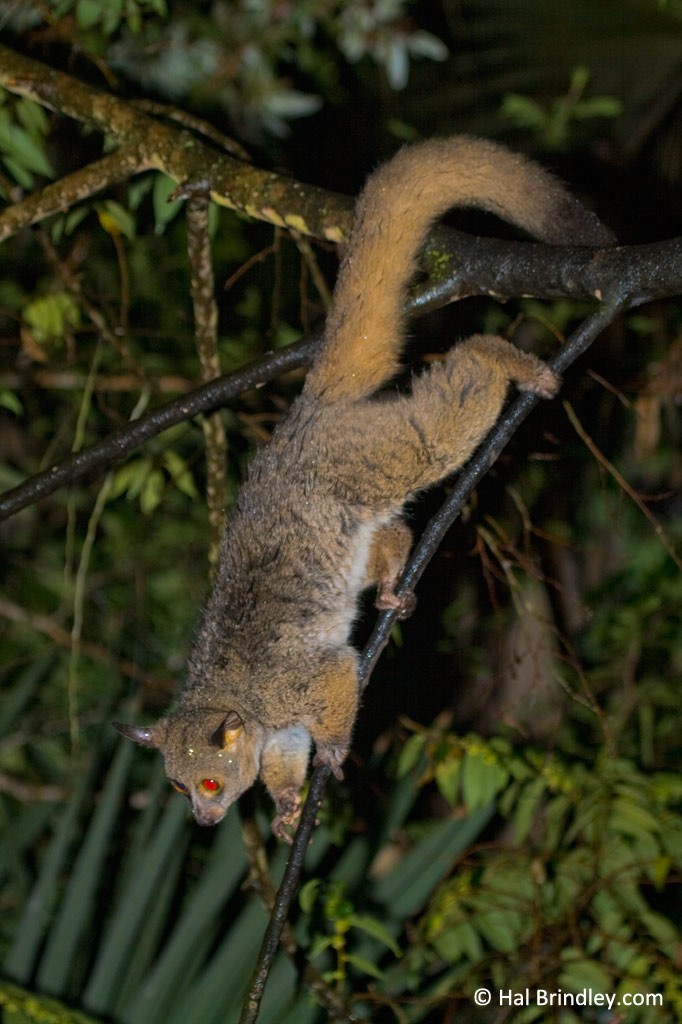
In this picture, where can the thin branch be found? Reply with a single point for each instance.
(70, 189)
(74, 380)
(202, 286)
(201, 400)
(260, 880)
(628, 276)
(623, 484)
(285, 895)
(46, 625)
(424, 551)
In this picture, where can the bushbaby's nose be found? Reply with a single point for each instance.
(208, 814)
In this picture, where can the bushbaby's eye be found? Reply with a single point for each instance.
(180, 787)
(211, 785)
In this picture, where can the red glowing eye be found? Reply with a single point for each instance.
(211, 785)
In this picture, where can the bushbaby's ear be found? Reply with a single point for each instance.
(146, 736)
(229, 730)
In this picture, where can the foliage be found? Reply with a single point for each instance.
(587, 840)
(240, 57)
(535, 853)
(553, 126)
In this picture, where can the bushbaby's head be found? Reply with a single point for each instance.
(209, 756)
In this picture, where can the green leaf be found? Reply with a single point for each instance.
(502, 929)
(526, 808)
(307, 896)
(180, 473)
(51, 317)
(524, 111)
(33, 927)
(405, 889)
(23, 149)
(659, 870)
(482, 780)
(364, 965)
(89, 13)
(165, 210)
(447, 774)
(130, 478)
(460, 941)
(19, 173)
(76, 916)
(113, 215)
(8, 400)
(598, 106)
(152, 491)
(631, 818)
(579, 974)
(24, 1007)
(32, 116)
(410, 754)
(371, 926)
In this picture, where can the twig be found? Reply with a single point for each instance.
(201, 400)
(429, 542)
(631, 274)
(285, 895)
(622, 483)
(73, 188)
(260, 880)
(202, 286)
(46, 625)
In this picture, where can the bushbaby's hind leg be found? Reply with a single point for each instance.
(523, 368)
(283, 768)
(331, 706)
(414, 441)
(455, 403)
(391, 545)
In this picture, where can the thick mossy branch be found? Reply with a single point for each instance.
(145, 142)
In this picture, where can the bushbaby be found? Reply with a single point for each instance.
(318, 519)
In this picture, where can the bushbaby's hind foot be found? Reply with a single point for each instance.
(523, 368)
(390, 548)
(402, 604)
(333, 757)
(541, 381)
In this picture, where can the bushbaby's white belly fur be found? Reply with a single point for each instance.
(354, 576)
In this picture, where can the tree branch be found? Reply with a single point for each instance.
(146, 142)
(201, 400)
(627, 276)
(202, 286)
(458, 266)
(424, 551)
(70, 189)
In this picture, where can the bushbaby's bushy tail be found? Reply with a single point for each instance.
(364, 336)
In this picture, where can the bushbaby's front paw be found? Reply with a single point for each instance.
(333, 757)
(288, 813)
